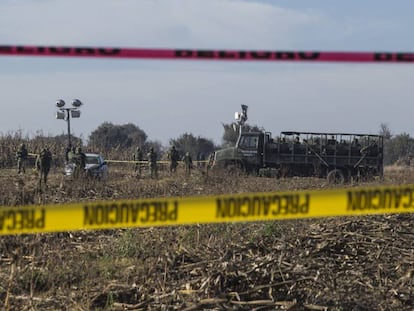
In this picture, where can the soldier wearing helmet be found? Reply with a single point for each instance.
(152, 163)
(138, 157)
(80, 163)
(188, 162)
(173, 157)
(21, 156)
(42, 164)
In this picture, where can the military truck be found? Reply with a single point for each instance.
(339, 157)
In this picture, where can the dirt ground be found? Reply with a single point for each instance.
(346, 263)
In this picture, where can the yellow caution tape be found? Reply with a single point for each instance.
(124, 161)
(136, 162)
(131, 161)
(203, 209)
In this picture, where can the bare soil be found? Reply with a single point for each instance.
(346, 263)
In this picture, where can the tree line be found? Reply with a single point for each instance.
(398, 148)
(119, 142)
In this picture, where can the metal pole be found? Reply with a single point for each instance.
(68, 120)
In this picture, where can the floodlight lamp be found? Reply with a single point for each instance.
(75, 113)
(76, 103)
(244, 111)
(237, 116)
(60, 115)
(243, 116)
(60, 103)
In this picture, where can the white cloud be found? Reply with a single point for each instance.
(175, 23)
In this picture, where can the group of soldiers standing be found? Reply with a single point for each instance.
(173, 157)
(44, 161)
(42, 164)
(152, 162)
(76, 156)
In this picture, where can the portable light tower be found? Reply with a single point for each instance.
(65, 113)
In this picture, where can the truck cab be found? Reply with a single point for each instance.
(247, 154)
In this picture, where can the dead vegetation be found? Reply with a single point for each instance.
(358, 263)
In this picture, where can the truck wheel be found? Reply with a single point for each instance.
(336, 177)
(284, 171)
(235, 169)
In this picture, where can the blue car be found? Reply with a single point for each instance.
(95, 166)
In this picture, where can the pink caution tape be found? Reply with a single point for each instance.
(226, 55)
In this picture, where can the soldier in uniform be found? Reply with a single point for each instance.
(210, 162)
(71, 155)
(152, 163)
(80, 163)
(21, 156)
(67, 151)
(138, 157)
(188, 162)
(43, 163)
(173, 157)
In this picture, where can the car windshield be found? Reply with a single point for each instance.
(92, 160)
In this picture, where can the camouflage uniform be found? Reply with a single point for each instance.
(138, 157)
(152, 163)
(67, 151)
(80, 163)
(188, 162)
(71, 155)
(43, 163)
(173, 157)
(21, 156)
(210, 161)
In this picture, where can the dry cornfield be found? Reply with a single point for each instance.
(347, 263)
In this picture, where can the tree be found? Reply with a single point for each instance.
(194, 145)
(109, 136)
(396, 147)
(230, 135)
(385, 131)
(399, 147)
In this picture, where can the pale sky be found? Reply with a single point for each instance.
(169, 98)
